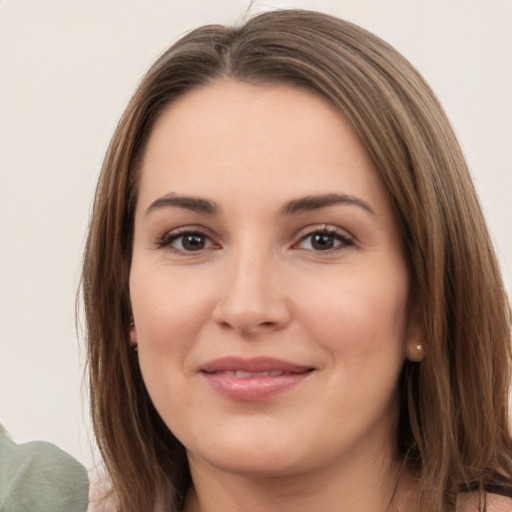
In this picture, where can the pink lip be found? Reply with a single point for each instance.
(230, 377)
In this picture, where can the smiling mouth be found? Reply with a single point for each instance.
(253, 379)
(241, 374)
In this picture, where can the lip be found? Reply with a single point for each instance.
(253, 379)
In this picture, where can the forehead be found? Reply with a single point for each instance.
(272, 140)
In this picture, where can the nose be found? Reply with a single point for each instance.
(253, 297)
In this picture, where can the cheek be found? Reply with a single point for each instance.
(360, 316)
(169, 313)
(169, 308)
(164, 337)
(362, 326)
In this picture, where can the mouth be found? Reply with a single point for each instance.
(253, 379)
(241, 374)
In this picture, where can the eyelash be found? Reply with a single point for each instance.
(169, 238)
(331, 231)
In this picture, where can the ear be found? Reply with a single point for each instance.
(415, 345)
(133, 335)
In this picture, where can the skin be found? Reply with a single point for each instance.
(260, 284)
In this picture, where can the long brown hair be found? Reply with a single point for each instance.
(453, 433)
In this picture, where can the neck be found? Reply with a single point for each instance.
(374, 488)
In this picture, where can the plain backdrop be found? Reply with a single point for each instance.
(67, 69)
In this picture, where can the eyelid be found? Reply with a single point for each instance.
(165, 241)
(342, 235)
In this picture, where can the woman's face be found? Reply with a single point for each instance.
(268, 284)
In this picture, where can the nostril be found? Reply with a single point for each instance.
(250, 310)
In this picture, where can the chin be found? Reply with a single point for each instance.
(262, 465)
(251, 454)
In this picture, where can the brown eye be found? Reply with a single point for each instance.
(187, 242)
(322, 241)
(325, 241)
(193, 242)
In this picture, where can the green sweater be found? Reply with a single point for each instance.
(39, 477)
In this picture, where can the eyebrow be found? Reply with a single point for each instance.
(303, 204)
(309, 203)
(195, 204)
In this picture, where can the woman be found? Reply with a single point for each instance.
(292, 300)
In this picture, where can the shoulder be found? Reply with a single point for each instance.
(494, 503)
(497, 503)
(101, 495)
(40, 476)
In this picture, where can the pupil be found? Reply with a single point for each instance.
(193, 242)
(322, 242)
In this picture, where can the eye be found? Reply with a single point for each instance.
(186, 241)
(192, 242)
(326, 239)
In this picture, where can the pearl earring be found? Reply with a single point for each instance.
(419, 348)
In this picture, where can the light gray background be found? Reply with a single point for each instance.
(67, 69)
